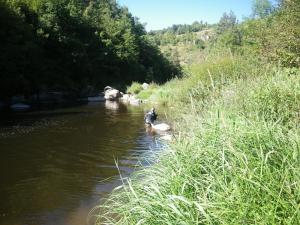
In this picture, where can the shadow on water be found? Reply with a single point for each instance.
(10, 118)
(56, 165)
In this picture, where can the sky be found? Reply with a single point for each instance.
(158, 14)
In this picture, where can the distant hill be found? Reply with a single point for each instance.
(184, 44)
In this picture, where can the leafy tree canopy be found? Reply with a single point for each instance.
(69, 45)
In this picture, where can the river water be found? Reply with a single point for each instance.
(56, 165)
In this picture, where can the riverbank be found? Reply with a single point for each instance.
(235, 158)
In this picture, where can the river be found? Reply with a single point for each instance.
(57, 164)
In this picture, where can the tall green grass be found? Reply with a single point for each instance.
(134, 88)
(236, 155)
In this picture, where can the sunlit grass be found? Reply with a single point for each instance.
(134, 88)
(236, 156)
(145, 94)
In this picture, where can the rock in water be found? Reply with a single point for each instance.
(131, 99)
(145, 86)
(112, 105)
(134, 101)
(112, 94)
(125, 98)
(161, 127)
(107, 88)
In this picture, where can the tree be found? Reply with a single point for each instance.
(286, 32)
(261, 8)
(227, 21)
(69, 45)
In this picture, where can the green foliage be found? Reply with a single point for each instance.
(200, 44)
(286, 29)
(134, 88)
(277, 99)
(145, 94)
(227, 22)
(180, 34)
(70, 45)
(19, 51)
(261, 8)
(182, 28)
(271, 34)
(234, 159)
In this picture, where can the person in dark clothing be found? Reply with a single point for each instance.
(150, 117)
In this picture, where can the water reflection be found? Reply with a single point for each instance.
(112, 105)
(55, 165)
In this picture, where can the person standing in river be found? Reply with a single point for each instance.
(150, 117)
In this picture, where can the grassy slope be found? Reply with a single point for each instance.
(236, 155)
(186, 51)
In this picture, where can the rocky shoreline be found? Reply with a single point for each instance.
(112, 94)
(22, 103)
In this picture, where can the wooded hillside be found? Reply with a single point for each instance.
(75, 47)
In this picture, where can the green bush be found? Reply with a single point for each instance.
(274, 97)
(135, 88)
(145, 94)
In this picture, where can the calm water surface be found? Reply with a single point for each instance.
(55, 165)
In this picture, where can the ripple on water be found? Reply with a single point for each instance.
(56, 165)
